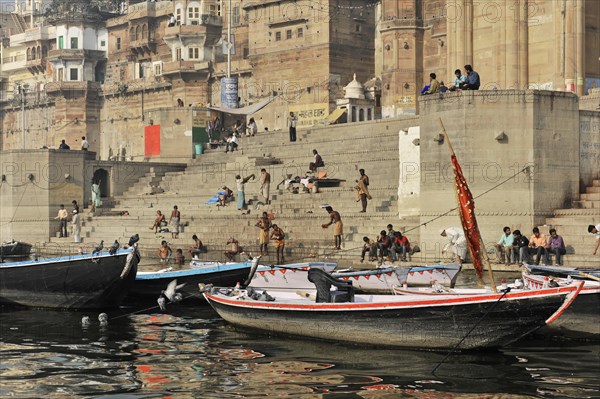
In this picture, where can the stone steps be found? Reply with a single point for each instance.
(572, 225)
(587, 204)
(590, 196)
(592, 190)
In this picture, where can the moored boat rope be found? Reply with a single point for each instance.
(506, 291)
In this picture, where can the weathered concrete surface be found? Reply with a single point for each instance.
(35, 182)
(541, 132)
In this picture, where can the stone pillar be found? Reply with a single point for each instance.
(523, 44)
(580, 43)
(456, 14)
(461, 44)
(468, 35)
(511, 45)
(459, 34)
(570, 55)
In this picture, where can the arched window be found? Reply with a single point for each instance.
(138, 32)
(33, 53)
(144, 32)
(132, 34)
(361, 114)
(39, 52)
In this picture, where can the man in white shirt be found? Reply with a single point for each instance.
(596, 231)
(457, 243)
(231, 143)
(85, 145)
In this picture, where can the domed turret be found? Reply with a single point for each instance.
(354, 89)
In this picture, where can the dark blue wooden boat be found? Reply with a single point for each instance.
(86, 281)
(14, 250)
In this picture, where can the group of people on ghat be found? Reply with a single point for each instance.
(390, 245)
(470, 81)
(63, 217)
(516, 248)
(512, 247)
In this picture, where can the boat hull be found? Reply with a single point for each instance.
(582, 318)
(14, 250)
(432, 323)
(149, 285)
(77, 282)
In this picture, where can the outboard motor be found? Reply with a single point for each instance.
(323, 282)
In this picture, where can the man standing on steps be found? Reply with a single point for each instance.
(265, 185)
(338, 231)
(279, 236)
(596, 231)
(362, 190)
(292, 125)
(264, 224)
(175, 222)
(76, 227)
(240, 183)
(62, 216)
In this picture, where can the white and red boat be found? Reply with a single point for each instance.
(422, 322)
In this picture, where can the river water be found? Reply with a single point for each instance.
(191, 353)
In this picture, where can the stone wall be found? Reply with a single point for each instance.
(589, 156)
(497, 134)
(35, 182)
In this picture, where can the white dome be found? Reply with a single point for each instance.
(354, 89)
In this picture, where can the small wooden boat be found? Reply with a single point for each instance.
(582, 319)
(14, 250)
(430, 322)
(376, 281)
(73, 282)
(560, 271)
(148, 285)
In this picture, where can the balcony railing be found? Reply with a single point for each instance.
(207, 23)
(149, 9)
(75, 54)
(173, 67)
(71, 86)
(37, 65)
(146, 44)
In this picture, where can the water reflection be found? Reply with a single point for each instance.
(191, 353)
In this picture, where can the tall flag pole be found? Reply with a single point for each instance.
(466, 210)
